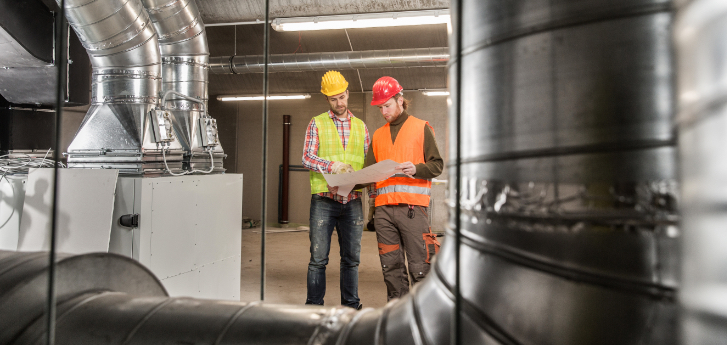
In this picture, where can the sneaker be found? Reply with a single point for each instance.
(360, 306)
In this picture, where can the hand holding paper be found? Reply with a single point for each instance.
(375, 173)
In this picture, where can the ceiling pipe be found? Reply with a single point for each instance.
(391, 58)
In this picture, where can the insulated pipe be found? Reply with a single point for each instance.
(122, 47)
(569, 185)
(392, 58)
(286, 169)
(185, 58)
(702, 54)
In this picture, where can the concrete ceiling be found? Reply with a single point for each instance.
(227, 11)
(248, 40)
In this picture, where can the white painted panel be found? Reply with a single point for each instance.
(84, 203)
(174, 223)
(186, 284)
(142, 251)
(12, 195)
(218, 280)
(218, 201)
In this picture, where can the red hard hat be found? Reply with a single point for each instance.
(385, 88)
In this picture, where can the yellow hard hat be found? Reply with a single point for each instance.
(333, 83)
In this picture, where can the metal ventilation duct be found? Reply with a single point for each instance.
(185, 58)
(116, 132)
(415, 57)
(702, 54)
(569, 194)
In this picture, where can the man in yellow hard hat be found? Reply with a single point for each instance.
(335, 142)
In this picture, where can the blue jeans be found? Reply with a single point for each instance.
(325, 214)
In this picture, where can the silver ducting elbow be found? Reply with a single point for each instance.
(391, 58)
(124, 53)
(185, 65)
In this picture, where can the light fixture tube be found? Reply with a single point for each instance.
(260, 98)
(435, 92)
(366, 20)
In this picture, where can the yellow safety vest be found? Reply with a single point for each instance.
(330, 148)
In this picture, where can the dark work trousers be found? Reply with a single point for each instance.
(325, 215)
(396, 233)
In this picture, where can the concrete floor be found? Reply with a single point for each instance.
(287, 256)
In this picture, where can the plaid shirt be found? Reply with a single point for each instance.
(310, 150)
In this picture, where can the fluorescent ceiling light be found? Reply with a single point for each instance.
(366, 20)
(435, 92)
(260, 98)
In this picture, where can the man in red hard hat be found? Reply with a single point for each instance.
(401, 216)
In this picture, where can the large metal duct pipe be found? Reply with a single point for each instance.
(569, 219)
(185, 59)
(109, 299)
(702, 54)
(122, 46)
(392, 58)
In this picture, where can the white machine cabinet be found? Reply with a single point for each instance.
(188, 231)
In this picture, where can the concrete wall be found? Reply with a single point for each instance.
(241, 136)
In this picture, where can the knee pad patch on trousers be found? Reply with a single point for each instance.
(391, 261)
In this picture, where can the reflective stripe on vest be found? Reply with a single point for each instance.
(404, 189)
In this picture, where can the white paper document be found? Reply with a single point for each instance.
(375, 173)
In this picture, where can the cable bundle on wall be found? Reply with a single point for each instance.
(20, 163)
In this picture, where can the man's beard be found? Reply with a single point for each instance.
(344, 111)
(393, 117)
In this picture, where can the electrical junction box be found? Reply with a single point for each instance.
(188, 231)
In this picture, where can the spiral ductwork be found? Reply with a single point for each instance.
(124, 53)
(392, 58)
(110, 299)
(185, 65)
(702, 54)
(569, 193)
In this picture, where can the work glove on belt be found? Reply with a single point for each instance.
(341, 168)
(372, 208)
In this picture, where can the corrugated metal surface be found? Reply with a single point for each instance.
(223, 11)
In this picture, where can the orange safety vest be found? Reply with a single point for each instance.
(409, 147)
